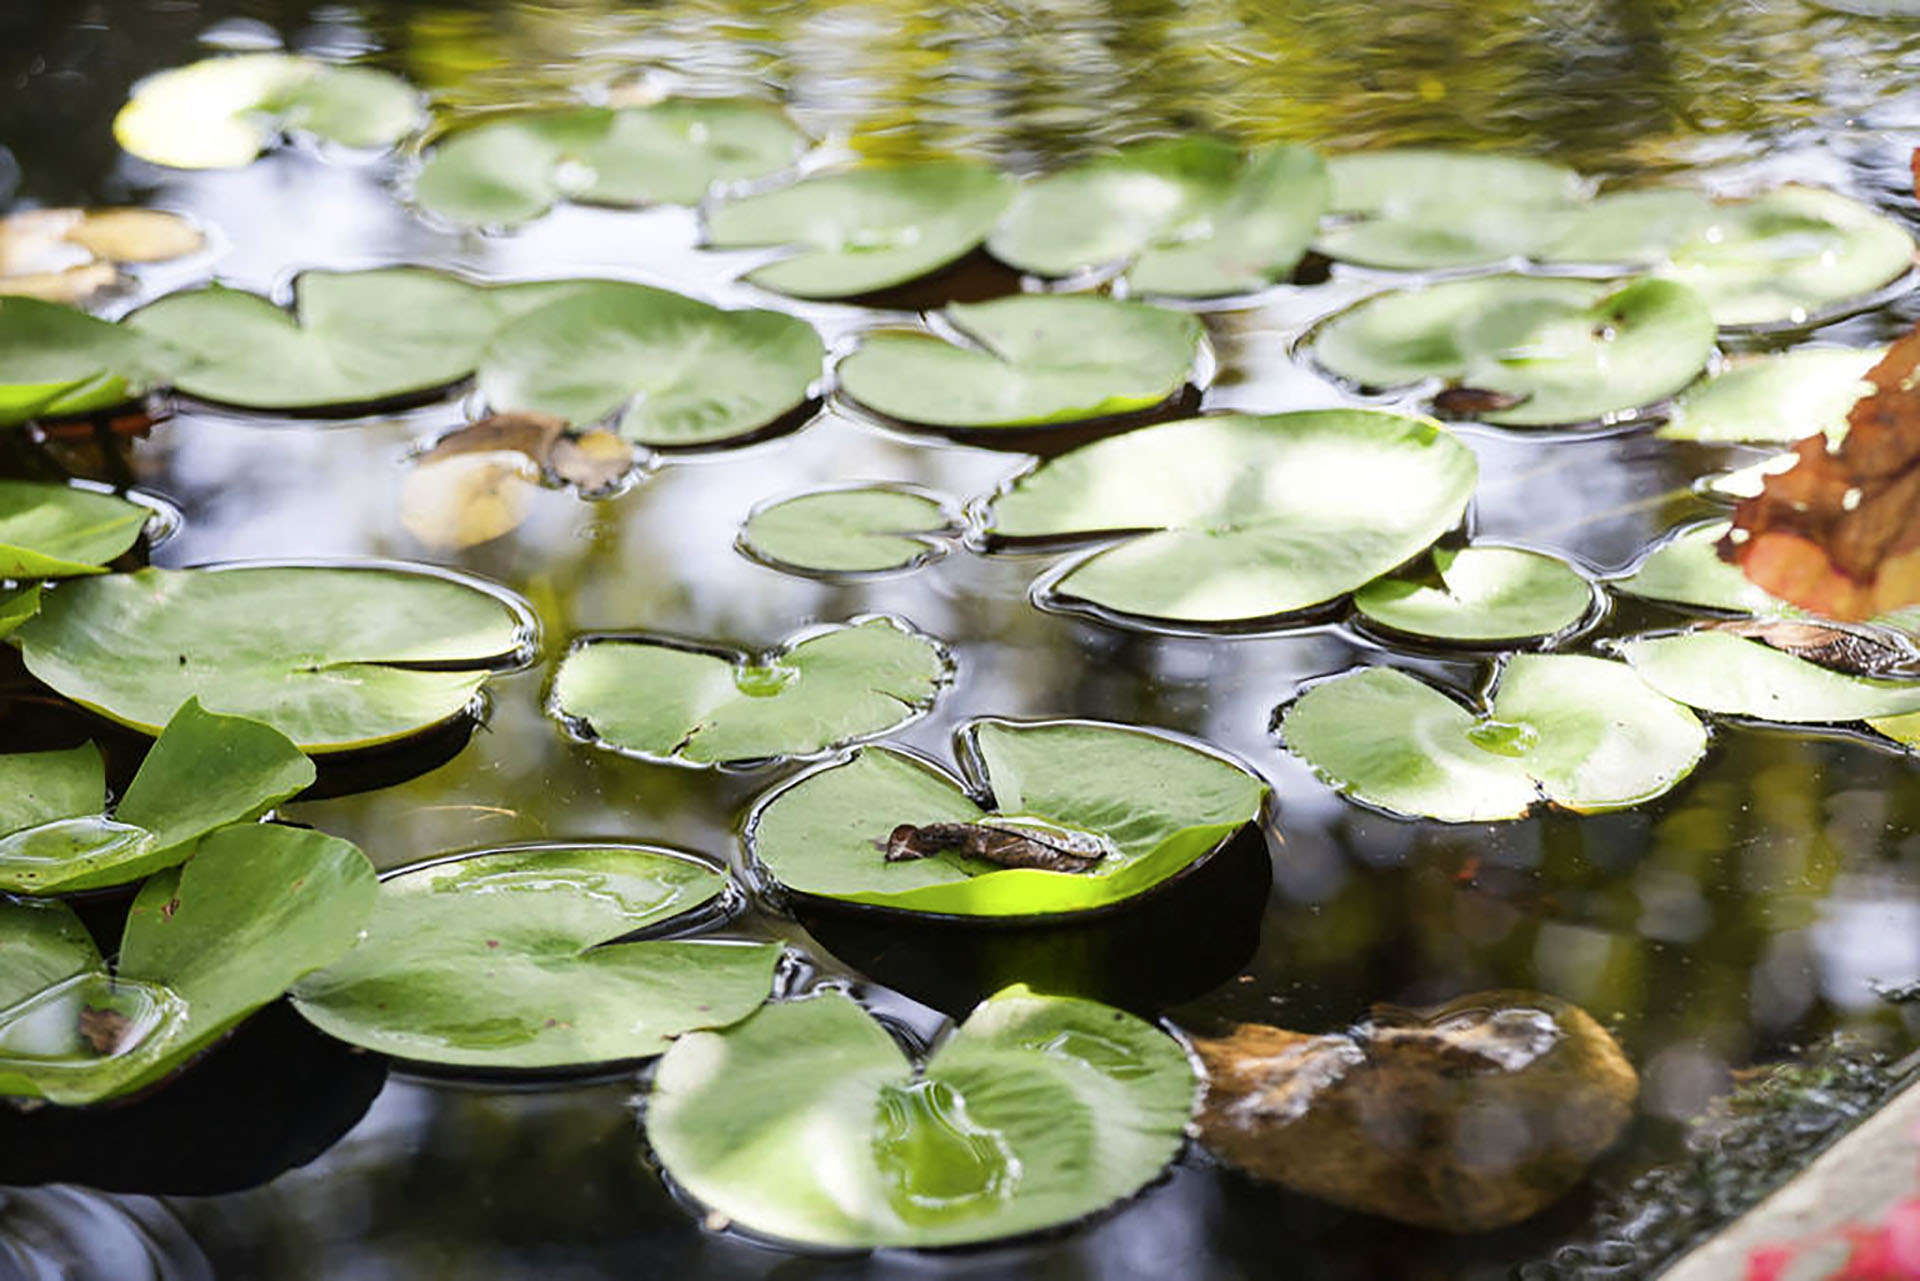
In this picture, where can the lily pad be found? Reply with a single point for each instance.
(1775, 399)
(70, 255)
(678, 371)
(56, 360)
(352, 338)
(869, 529)
(1549, 350)
(508, 171)
(1717, 671)
(223, 112)
(1027, 361)
(206, 944)
(860, 230)
(807, 1123)
(669, 702)
(1686, 570)
(17, 606)
(58, 531)
(1792, 257)
(1151, 805)
(1190, 217)
(1269, 515)
(1480, 595)
(1625, 230)
(511, 960)
(333, 657)
(1419, 208)
(203, 772)
(1586, 734)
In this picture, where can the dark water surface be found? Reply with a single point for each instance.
(1736, 921)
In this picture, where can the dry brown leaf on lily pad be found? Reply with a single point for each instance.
(478, 483)
(1851, 651)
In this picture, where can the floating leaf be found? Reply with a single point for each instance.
(1686, 569)
(257, 907)
(333, 657)
(17, 606)
(57, 531)
(870, 529)
(203, 772)
(1793, 256)
(222, 112)
(1156, 806)
(1030, 360)
(1481, 594)
(1585, 733)
(669, 702)
(69, 255)
(1238, 518)
(860, 230)
(1717, 671)
(806, 1122)
(508, 171)
(353, 337)
(478, 482)
(1777, 398)
(1420, 208)
(678, 371)
(510, 960)
(56, 360)
(1190, 217)
(1626, 230)
(1574, 350)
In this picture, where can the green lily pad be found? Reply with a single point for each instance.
(859, 230)
(508, 171)
(1775, 399)
(206, 944)
(870, 529)
(1190, 217)
(223, 112)
(333, 657)
(1625, 229)
(1481, 594)
(668, 702)
(678, 371)
(58, 531)
(58, 361)
(1028, 360)
(808, 1124)
(1154, 805)
(17, 606)
(1270, 515)
(1686, 570)
(1794, 256)
(511, 960)
(1419, 208)
(1720, 672)
(353, 337)
(1562, 350)
(1586, 734)
(203, 772)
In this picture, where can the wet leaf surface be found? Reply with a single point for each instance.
(58, 531)
(1775, 399)
(1480, 594)
(1717, 671)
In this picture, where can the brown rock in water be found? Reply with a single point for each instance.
(1468, 1117)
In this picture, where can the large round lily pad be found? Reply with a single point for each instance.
(203, 772)
(510, 960)
(56, 360)
(1479, 595)
(867, 529)
(1585, 733)
(1240, 518)
(1027, 361)
(1626, 230)
(206, 944)
(676, 370)
(1543, 351)
(856, 231)
(1190, 217)
(221, 113)
(333, 657)
(807, 1123)
(1777, 399)
(352, 338)
(58, 531)
(669, 702)
(1791, 257)
(1150, 806)
(1419, 208)
(1717, 671)
(507, 171)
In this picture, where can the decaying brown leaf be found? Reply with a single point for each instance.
(592, 461)
(104, 1030)
(478, 483)
(1471, 402)
(1855, 651)
(70, 255)
(1006, 845)
(1468, 1117)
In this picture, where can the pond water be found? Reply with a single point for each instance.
(1745, 917)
